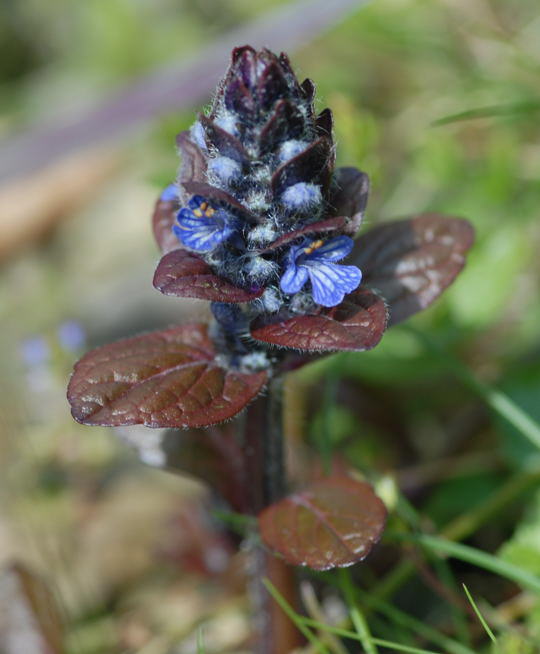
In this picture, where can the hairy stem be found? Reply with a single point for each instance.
(262, 438)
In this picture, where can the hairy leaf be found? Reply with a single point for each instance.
(333, 523)
(329, 225)
(192, 168)
(313, 163)
(167, 378)
(356, 324)
(411, 262)
(350, 194)
(162, 222)
(227, 144)
(184, 274)
(286, 122)
(193, 163)
(221, 197)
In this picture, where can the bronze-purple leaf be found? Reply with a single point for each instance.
(185, 274)
(272, 86)
(193, 163)
(333, 523)
(166, 378)
(162, 221)
(192, 169)
(212, 193)
(312, 164)
(308, 89)
(285, 122)
(328, 225)
(357, 324)
(227, 144)
(325, 123)
(411, 262)
(349, 195)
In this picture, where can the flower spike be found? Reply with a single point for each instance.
(258, 222)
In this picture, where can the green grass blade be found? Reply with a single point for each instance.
(404, 619)
(494, 398)
(402, 648)
(492, 111)
(200, 642)
(296, 619)
(352, 635)
(357, 616)
(476, 557)
(480, 616)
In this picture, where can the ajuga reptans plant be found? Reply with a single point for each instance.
(261, 224)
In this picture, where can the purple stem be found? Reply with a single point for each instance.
(262, 433)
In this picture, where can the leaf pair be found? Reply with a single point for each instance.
(334, 521)
(171, 378)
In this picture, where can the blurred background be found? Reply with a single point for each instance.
(439, 102)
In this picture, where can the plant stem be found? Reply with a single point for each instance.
(262, 444)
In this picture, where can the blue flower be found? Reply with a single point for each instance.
(314, 260)
(35, 351)
(170, 193)
(71, 335)
(202, 227)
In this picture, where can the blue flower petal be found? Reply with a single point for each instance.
(170, 194)
(334, 249)
(203, 229)
(294, 278)
(331, 282)
(188, 220)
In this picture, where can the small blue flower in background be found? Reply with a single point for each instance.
(71, 335)
(170, 194)
(202, 227)
(314, 260)
(35, 351)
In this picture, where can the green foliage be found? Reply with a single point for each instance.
(523, 548)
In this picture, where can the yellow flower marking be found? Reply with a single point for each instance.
(314, 245)
(205, 210)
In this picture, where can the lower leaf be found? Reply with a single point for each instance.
(167, 378)
(333, 523)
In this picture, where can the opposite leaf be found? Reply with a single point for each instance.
(356, 324)
(333, 523)
(167, 378)
(185, 274)
(411, 262)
